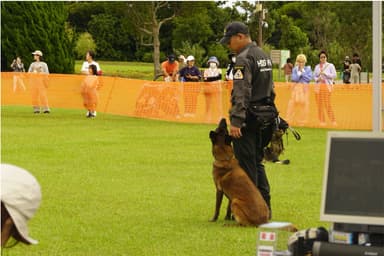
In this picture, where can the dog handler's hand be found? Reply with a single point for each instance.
(235, 132)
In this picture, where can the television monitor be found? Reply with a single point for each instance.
(353, 182)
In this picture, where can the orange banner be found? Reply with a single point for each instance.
(345, 107)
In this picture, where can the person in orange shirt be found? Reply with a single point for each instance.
(170, 69)
(89, 89)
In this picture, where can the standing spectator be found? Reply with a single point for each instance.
(356, 59)
(170, 69)
(252, 89)
(298, 105)
(212, 88)
(288, 66)
(18, 67)
(355, 72)
(39, 83)
(90, 60)
(190, 73)
(347, 71)
(324, 76)
(89, 92)
(20, 199)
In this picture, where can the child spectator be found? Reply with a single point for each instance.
(89, 92)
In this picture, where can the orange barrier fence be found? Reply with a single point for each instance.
(200, 102)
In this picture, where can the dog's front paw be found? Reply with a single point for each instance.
(229, 217)
(214, 219)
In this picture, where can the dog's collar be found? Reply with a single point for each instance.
(223, 163)
(229, 158)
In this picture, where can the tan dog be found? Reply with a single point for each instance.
(246, 203)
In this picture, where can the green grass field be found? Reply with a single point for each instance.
(116, 185)
(143, 71)
(133, 70)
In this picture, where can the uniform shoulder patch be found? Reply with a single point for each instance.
(238, 73)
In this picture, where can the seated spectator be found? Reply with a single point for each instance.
(20, 198)
(182, 61)
(213, 73)
(190, 73)
(212, 89)
(170, 69)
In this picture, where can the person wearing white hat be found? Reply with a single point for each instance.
(39, 83)
(212, 89)
(190, 73)
(20, 198)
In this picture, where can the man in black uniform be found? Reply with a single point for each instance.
(252, 88)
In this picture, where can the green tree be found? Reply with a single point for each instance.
(195, 50)
(27, 26)
(147, 19)
(292, 37)
(109, 27)
(84, 43)
(103, 28)
(355, 33)
(194, 27)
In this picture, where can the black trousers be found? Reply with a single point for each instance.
(249, 152)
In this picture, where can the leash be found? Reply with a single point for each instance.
(295, 133)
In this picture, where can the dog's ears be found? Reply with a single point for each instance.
(212, 136)
(223, 123)
(228, 139)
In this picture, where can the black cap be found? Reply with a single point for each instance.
(233, 29)
(171, 58)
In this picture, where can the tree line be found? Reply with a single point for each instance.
(149, 31)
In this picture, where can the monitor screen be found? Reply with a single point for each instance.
(353, 183)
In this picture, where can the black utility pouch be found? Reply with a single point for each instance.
(264, 115)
